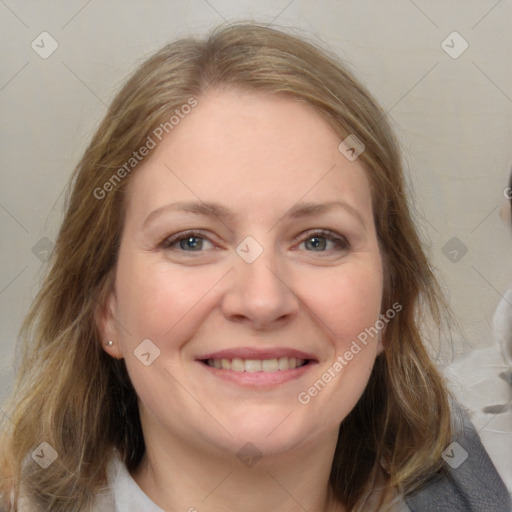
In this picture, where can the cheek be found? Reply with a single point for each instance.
(346, 300)
(155, 298)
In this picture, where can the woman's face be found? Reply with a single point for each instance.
(248, 247)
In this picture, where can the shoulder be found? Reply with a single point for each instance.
(470, 482)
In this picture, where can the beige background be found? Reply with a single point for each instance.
(454, 117)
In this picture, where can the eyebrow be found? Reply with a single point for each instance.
(297, 211)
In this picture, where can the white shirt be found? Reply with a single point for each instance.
(124, 495)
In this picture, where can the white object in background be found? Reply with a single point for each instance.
(502, 326)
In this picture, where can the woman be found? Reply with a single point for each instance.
(231, 318)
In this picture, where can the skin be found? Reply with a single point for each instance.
(258, 155)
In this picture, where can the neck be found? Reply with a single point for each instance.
(179, 475)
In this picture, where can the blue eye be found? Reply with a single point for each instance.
(321, 241)
(188, 242)
(194, 243)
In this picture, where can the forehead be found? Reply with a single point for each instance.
(251, 150)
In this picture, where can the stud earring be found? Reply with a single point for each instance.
(109, 343)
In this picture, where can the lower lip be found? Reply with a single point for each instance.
(260, 380)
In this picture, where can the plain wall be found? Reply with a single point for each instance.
(453, 117)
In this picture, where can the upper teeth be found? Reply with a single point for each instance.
(257, 365)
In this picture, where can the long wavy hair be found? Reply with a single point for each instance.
(70, 394)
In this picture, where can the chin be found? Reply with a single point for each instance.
(270, 434)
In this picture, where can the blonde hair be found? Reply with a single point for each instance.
(72, 395)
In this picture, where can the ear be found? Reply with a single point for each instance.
(108, 326)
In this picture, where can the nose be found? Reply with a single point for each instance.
(260, 294)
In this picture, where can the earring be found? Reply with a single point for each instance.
(109, 343)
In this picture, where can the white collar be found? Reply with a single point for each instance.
(125, 495)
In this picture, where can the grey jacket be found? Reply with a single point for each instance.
(471, 483)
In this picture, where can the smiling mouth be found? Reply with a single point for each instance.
(257, 365)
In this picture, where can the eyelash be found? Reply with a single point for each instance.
(340, 242)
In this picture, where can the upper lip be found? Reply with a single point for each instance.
(257, 353)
